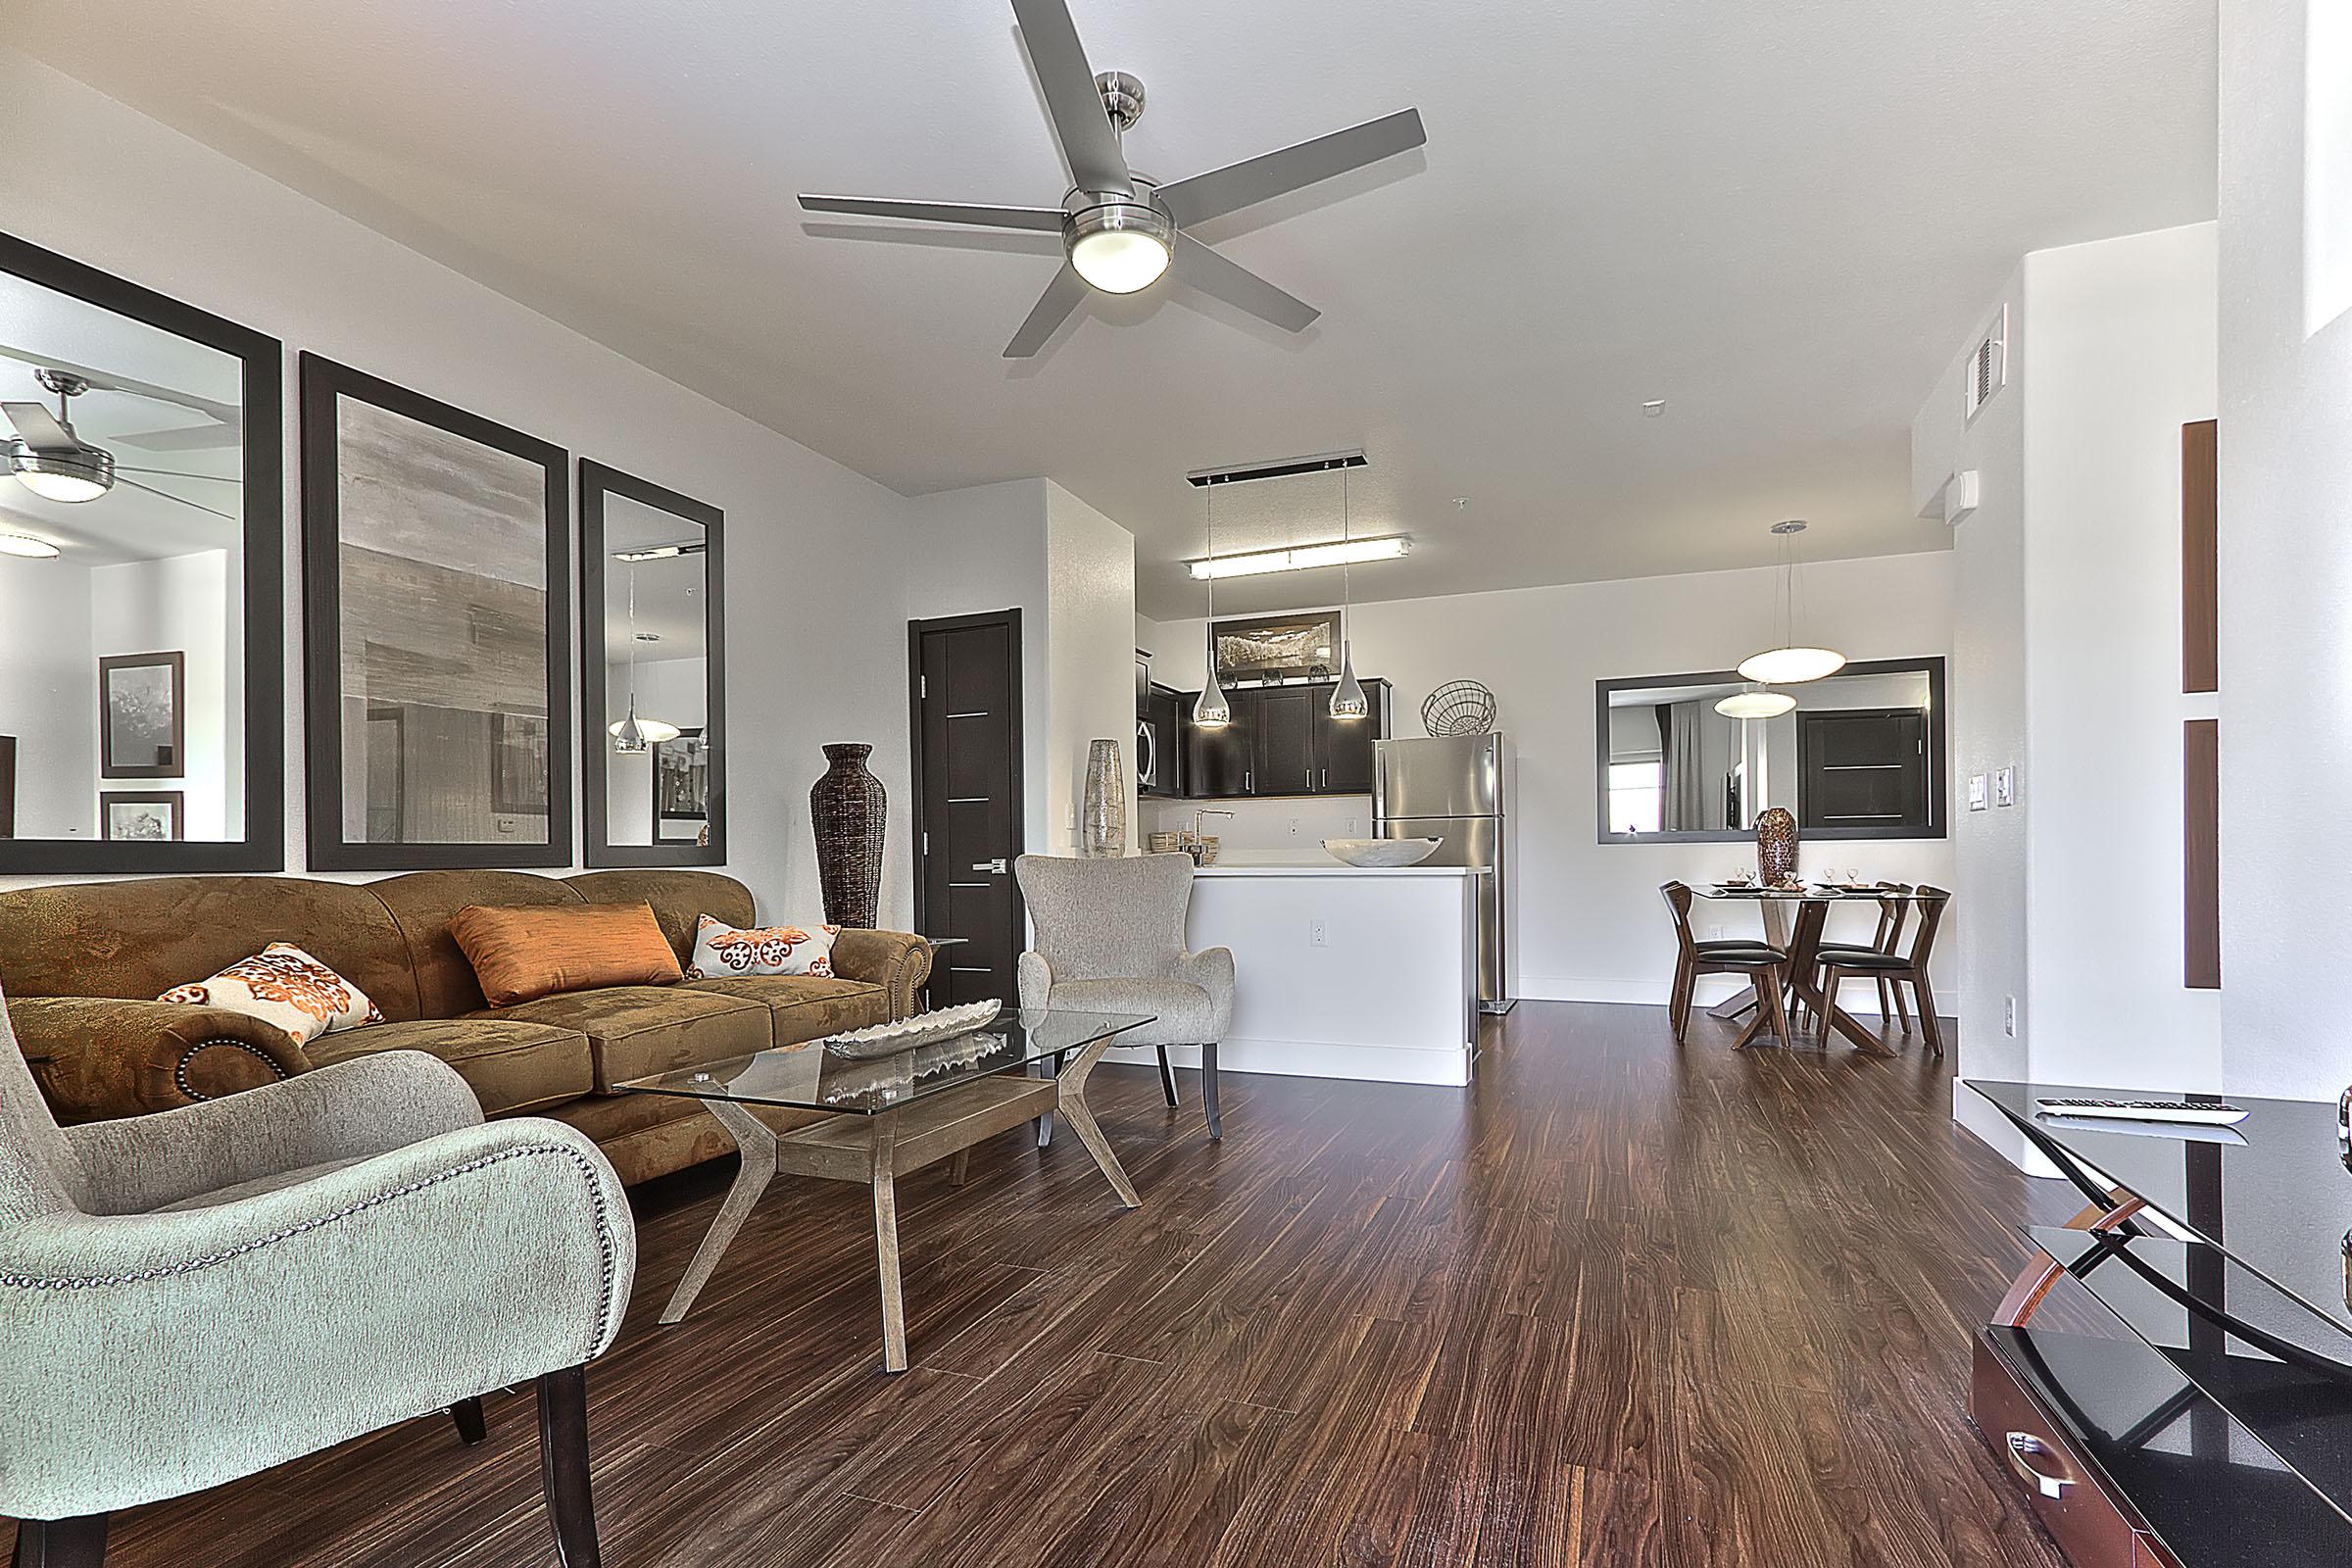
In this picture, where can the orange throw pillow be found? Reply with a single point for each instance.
(522, 954)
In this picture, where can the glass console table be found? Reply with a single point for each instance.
(2201, 1412)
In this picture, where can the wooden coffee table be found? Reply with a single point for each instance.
(890, 1116)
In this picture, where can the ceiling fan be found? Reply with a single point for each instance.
(1120, 232)
(51, 461)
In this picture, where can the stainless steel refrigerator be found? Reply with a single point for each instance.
(1451, 789)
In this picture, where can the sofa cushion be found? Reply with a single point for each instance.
(521, 955)
(805, 1007)
(723, 952)
(285, 988)
(679, 897)
(637, 1031)
(423, 903)
(509, 1064)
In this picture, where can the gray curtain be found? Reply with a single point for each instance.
(1685, 805)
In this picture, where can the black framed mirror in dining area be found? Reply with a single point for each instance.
(141, 557)
(1857, 755)
(652, 677)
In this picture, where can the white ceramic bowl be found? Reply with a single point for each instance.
(1375, 853)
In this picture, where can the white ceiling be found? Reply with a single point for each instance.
(1781, 217)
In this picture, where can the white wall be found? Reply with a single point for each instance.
(815, 554)
(676, 691)
(181, 603)
(1090, 600)
(1585, 920)
(2287, 549)
(49, 698)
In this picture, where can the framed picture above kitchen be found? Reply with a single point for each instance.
(1299, 644)
(436, 560)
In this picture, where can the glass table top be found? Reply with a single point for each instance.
(2271, 1194)
(809, 1077)
(1820, 893)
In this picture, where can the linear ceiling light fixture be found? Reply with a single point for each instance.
(1788, 662)
(1302, 558)
(658, 553)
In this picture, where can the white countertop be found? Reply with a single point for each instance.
(1336, 869)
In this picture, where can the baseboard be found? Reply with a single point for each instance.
(1711, 990)
(1320, 1059)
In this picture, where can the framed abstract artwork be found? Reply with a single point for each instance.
(151, 816)
(142, 716)
(1301, 645)
(436, 561)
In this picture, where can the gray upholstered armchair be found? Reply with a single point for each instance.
(1111, 939)
(199, 1295)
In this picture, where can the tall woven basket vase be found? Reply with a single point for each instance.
(1776, 846)
(848, 810)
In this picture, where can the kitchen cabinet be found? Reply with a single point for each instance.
(1159, 742)
(1284, 740)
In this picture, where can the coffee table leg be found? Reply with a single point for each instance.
(885, 1142)
(1072, 1083)
(757, 1142)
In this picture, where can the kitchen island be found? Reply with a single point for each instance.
(1344, 971)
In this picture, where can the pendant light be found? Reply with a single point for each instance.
(1790, 663)
(1756, 703)
(1348, 697)
(633, 735)
(1210, 709)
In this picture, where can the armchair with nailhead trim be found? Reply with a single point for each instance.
(202, 1293)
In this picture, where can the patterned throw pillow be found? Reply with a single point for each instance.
(287, 989)
(722, 951)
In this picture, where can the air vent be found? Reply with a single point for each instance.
(1988, 364)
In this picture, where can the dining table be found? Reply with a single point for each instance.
(1794, 919)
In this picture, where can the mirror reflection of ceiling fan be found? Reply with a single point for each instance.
(54, 462)
(1120, 232)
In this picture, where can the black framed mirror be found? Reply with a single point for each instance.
(652, 672)
(142, 635)
(1859, 754)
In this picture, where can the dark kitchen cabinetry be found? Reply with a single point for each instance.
(1284, 740)
(1160, 742)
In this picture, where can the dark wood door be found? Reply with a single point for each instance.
(1222, 762)
(1863, 768)
(966, 676)
(1284, 761)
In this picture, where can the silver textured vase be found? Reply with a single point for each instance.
(1102, 820)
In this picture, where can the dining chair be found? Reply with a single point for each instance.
(1765, 967)
(1895, 969)
(1894, 912)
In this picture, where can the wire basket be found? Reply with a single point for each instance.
(1458, 708)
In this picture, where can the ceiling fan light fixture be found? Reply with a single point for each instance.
(1790, 666)
(1755, 705)
(58, 473)
(24, 545)
(1118, 244)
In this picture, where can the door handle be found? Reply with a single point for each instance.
(2023, 1446)
(995, 866)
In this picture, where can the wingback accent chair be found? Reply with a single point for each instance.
(198, 1295)
(1111, 939)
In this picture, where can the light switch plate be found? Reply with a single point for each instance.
(1977, 799)
(2004, 787)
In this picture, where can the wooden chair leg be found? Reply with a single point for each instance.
(1167, 1076)
(1885, 1002)
(1778, 981)
(79, 1543)
(1678, 999)
(564, 1466)
(471, 1428)
(1209, 1091)
(1902, 1010)
(1929, 1029)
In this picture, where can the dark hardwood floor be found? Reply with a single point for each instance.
(1619, 1303)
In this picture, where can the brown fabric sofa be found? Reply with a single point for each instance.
(80, 965)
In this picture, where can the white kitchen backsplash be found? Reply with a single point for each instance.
(1266, 832)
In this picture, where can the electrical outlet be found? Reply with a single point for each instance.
(1979, 792)
(1715, 932)
(1347, 827)
(2004, 787)
(2009, 1016)
(1293, 827)
(1316, 935)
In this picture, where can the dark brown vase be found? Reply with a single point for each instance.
(1776, 846)
(848, 810)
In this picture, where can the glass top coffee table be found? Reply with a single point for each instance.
(887, 1115)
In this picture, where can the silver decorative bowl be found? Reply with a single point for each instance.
(923, 1029)
(1378, 853)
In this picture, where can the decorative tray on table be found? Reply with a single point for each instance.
(923, 1029)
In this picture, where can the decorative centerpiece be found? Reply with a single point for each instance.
(1381, 853)
(1103, 824)
(848, 810)
(1776, 846)
(923, 1029)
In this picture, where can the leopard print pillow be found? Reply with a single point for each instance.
(286, 988)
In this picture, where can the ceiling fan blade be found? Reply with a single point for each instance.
(39, 427)
(1204, 270)
(1048, 218)
(1054, 307)
(1255, 180)
(1081, 123)
(102, 382)
(192, 438)
(227, 517)
(175, 473)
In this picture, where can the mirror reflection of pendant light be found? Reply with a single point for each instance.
(633, 735)
(1790, 663)
(1756, 703)
(1210, 709)
(1348, 697)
